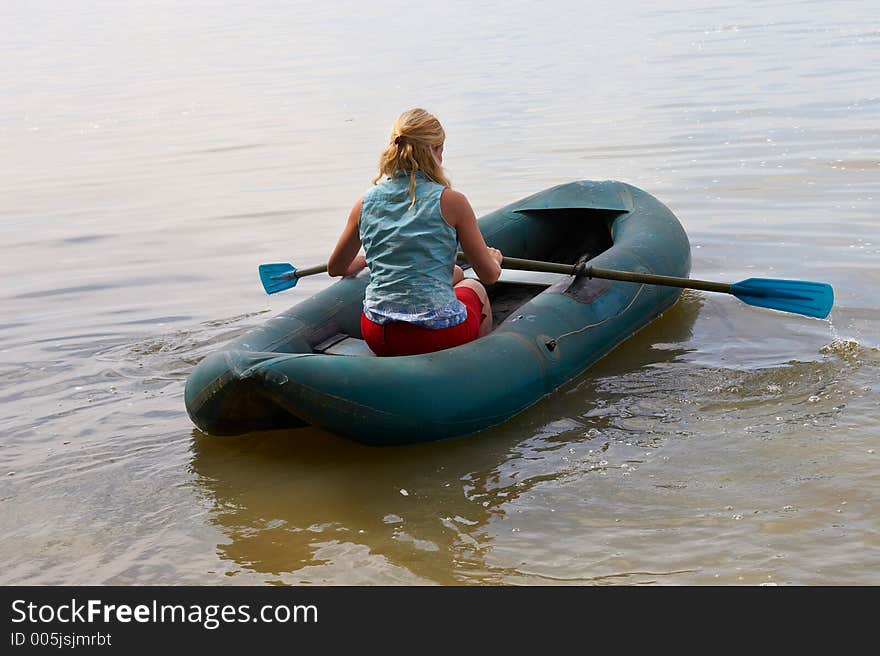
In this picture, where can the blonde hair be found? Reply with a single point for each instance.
(412, 136)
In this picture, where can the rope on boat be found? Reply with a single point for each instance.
(551, 344)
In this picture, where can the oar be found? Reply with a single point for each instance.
(282, 275)
(812, 299)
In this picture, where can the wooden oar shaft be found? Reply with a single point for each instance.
(310, 271)
(537, 265)
(651, 279)
(610, 274)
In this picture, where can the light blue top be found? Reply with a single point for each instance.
(410, 253)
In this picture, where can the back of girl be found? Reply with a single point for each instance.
(409, 225)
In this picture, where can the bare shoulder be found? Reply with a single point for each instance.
(454, 206)
(453, 197)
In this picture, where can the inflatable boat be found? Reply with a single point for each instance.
(309, 365)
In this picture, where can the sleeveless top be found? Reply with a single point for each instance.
(410, 253)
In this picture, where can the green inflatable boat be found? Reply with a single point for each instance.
(309, 364)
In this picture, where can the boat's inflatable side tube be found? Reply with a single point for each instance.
(374, 400)
(223, 397)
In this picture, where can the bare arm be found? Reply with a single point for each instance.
(345, 261)
(460, 215)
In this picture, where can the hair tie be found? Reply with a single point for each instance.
(397, 139)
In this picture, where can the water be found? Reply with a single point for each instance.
(156, 154)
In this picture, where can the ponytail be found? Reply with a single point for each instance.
(413, 135)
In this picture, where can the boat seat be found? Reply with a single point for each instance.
(342, 344)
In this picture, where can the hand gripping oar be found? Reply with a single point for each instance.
(812, 299)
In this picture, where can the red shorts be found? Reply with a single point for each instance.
(401, 338)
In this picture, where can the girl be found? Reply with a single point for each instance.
(417, 300)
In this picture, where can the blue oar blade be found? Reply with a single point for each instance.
(278, 277)
(813, 299)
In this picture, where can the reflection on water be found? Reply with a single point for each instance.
(160, 153)
(291, 503)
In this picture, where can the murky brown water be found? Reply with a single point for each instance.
(154, 157)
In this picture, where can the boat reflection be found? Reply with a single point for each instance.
(304, 506)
